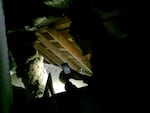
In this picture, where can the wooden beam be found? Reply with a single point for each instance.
(71, 39)
(70, 48)
(62, 26)
(62, 23)
(55, 50)
(48, 54)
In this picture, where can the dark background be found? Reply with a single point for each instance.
(117, 62)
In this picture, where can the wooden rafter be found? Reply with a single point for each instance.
(61, 47)
(55, 50)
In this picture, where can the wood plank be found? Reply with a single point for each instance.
(55, 50)
(49, 55)
(71, 39)
(70, 48)
(62, 23)
(46, 59)
(62, 20)
(62, 26)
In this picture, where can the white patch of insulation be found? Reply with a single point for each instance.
(54, 71)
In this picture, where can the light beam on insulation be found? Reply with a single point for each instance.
(59, 86)
(54, 71)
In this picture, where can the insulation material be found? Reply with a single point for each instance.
(55, 71)
(35, 76)
(61, 4)
(15, 81)
(57, 84)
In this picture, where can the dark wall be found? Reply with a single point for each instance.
(5, 87)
